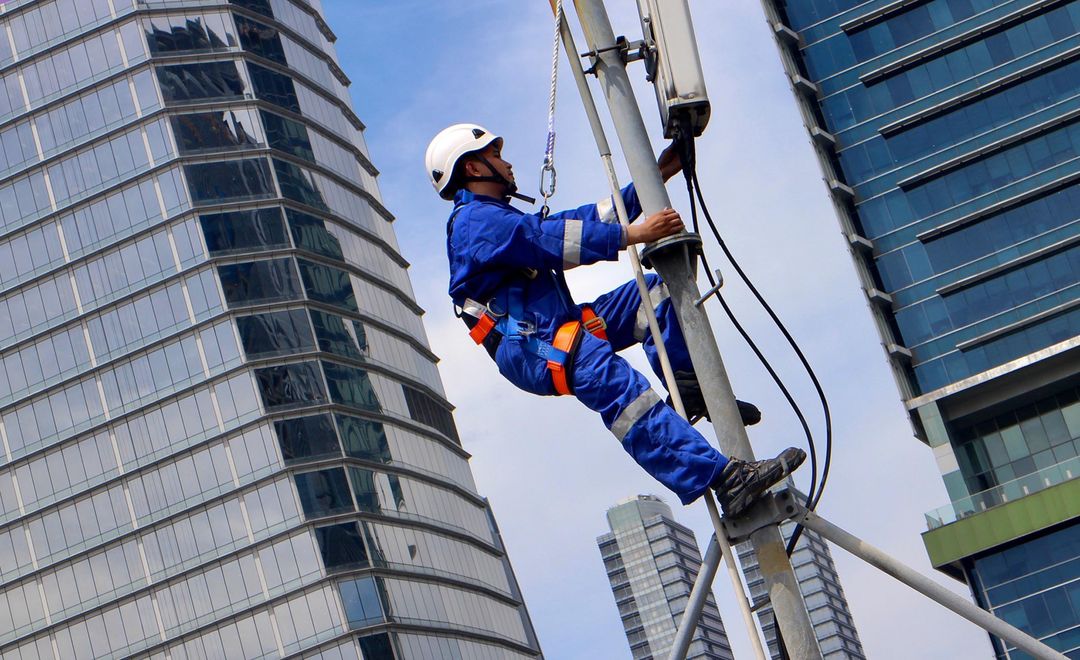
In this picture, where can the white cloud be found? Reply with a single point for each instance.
(548, 465)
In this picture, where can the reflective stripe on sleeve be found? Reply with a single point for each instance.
(657, 295)
(572, 243)
(632, 413)
(605, 208)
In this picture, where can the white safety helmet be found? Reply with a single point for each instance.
(447, 148)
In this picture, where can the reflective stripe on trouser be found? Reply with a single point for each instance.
(625, 315)
(660, 441)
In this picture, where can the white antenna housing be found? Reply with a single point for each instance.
(674, 64)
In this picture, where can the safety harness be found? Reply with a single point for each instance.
(510, 325)
(503, 318)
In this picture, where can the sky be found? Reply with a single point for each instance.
(549, 467)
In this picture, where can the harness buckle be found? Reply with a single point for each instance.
(595, 325)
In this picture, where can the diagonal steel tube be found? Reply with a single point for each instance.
(677, 267)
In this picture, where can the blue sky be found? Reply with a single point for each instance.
(548, 465)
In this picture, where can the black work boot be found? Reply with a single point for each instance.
(694, 401)
(741, 483)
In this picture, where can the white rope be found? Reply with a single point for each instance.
(547, 174)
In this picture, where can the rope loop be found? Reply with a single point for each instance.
(547, 173)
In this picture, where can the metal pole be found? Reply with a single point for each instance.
(691, 614)
(698, 595)
(929, 588)
(676, 265)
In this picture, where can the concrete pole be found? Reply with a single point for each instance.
(676, 265)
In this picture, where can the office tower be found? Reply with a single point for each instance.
(223, 430)
(820, 586)
(652, 562)
(947, 133)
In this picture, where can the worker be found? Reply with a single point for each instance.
(506, 278)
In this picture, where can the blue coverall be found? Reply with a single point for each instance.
(491, 246)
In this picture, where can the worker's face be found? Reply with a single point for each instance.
(493, 155)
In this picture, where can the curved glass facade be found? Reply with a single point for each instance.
(223, 432)
(949, 131)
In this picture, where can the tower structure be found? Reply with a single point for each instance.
(947, 134)
(821, 590)
(223, 431)
(652, 563)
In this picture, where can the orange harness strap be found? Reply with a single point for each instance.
(566, 340)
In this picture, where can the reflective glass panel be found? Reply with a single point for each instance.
(290, 385)
(328, 285)
(203, 81)
(288, 135)
(275, 333)
(216, 131)
(339, 336)
(262, 40)
(351, 386)
(342, 547)
(307, 438)
(310, 233)
(324, 493)
(274, 87)
(364, 439)
(243, 231)
(259, 282)
(230, 180)
(427, 410)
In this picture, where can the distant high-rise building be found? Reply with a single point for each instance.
(947, 132)
(222, 431)
(652, 562)
(821, 590)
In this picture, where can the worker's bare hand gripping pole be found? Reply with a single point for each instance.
(675, 264)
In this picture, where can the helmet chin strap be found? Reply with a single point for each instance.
(496, 177)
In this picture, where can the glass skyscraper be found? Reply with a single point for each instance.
(223, 431)
(947, 132)
(651, 563)
(820, 586)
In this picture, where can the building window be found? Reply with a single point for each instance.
(339, 336)
(298, 184)
(342, 547)
(310, 233)
(205, 81)
(427, 410)
(363, 599)
(290, 385)
(275, 333)
(186, 34)
(364, 439)
(260, 39)
(351, 387)
(307, 438)
(274, 87)
(259, 282)
(229, 181)
(216, 131)
(288, 136)
(324, 493)
(365, 490)
(244, 231)
(258, 6)
(377, 647)
(328, 285)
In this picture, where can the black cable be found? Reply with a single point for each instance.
(693, 186)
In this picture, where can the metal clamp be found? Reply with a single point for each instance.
(769, 511)
(629, 51)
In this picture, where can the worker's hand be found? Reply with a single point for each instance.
(656, 226)
(669, 162)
